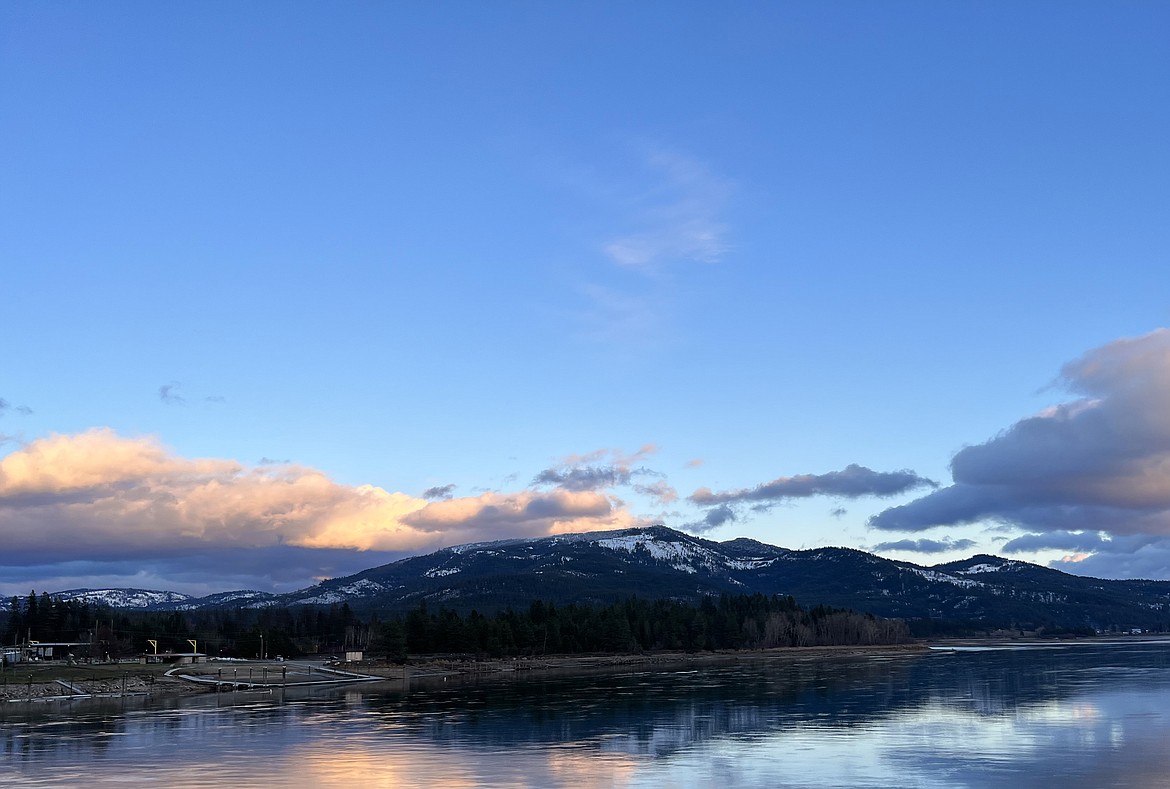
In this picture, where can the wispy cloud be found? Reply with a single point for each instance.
(612, 317)
(675, 217)
(604, 469)
(665, 211)
(6, 406)
(169, 394)
(660, 491)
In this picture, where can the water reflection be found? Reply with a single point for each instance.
(1077, 716)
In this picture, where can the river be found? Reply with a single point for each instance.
(1082, 714)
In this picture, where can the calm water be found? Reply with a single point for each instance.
(1071, 716)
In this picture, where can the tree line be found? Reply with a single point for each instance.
(728, 622)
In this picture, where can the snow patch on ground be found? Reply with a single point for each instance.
(679, 555)
(931, 575)
(986, 567)
(362, 586)
(123, 598)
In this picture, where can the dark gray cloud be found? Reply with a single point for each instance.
(588, 477)
(439, 492)
(1102, 461)
(1148, 560)
(1099, 464)
(838, 512)
(925, 546)
(714, 518)
(581, 473)
(852, 482)
(169, 394)
(274, 569)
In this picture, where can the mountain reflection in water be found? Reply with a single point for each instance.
(1077, 715)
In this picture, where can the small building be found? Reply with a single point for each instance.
(53, 650)
(178, 658)
(184, 658)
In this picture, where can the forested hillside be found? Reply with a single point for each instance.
(728, 622)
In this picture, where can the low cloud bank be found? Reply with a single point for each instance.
(103, 500)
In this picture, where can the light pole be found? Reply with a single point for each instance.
(262, 655)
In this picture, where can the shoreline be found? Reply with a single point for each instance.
(448, 666)
(59, 682)
(104, 681)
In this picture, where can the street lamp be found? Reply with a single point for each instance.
(262, 655)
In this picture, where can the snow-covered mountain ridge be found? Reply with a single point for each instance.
(657, 562)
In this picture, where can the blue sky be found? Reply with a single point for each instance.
(273, 271)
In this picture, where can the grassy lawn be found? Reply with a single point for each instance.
(49, 672)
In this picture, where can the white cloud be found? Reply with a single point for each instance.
(676, 219)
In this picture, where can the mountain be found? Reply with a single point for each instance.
(124, 598)
(657, 562)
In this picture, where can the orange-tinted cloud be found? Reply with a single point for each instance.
(101, 494)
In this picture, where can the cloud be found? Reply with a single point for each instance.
(661, 492)
(438, 492)
(666, 211)
(581, 472)
(676, 219)
(613, 317)
(1099, 463)
(1148, 560)
(694, 463)
(101, 497)
(5, 406)
(524, 514)
(587, 477)
(925, 546)
(851, 482)
(169, 394)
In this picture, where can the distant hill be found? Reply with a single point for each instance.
(656, 562)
